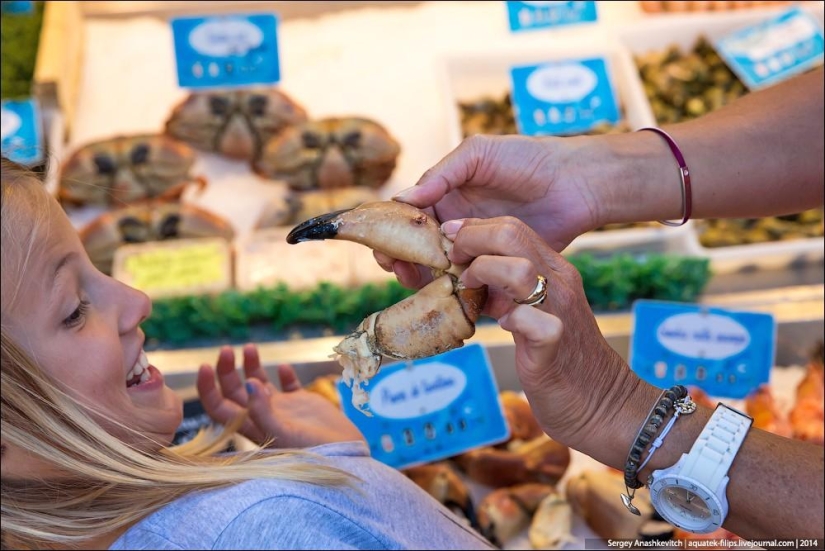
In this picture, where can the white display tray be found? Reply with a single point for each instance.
(774, 255)
(659, 33)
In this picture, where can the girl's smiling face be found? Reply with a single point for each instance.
(82, 327)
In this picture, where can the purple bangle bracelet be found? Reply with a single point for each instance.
(684, 177)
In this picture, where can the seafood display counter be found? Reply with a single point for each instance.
(370, 98)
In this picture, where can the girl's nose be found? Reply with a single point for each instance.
(136, 307)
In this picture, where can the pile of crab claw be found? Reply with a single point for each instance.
(438, 318)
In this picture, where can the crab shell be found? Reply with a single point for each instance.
(505, 512)
(330, 153)
(126, 169)
(234, 123)
(442, 482)
(540, 459)
(144, 223)
(303, 205)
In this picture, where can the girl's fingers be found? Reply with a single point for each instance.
(260, 409)
(252, 367)
(228, 377)
(216, 406)
(288, 378)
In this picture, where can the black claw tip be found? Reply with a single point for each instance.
(315, 229)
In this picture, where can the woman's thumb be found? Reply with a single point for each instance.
(537, 335)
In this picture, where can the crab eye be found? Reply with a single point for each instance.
(218, 105)
(133, 230)
(351, 139)
(140, 154)
(104, 163)
(169, 226)
(312, 141)
(257, 105)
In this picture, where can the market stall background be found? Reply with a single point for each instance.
(401, 64)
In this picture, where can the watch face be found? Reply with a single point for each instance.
(686, 504)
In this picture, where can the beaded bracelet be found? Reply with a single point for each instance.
(649, 428)
(685, 406)
(684, 177)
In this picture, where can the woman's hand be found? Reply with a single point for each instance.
(292, 417)
(567, 369)
(541, 181)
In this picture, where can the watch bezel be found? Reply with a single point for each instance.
(717, 508)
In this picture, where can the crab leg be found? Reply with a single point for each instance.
(440, 317)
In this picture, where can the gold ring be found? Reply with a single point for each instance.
(538, 295)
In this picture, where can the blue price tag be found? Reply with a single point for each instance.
(725, 353)
(227, 50)
(563, 97)
(524, 16)
(773, 50)
(430, 409)
(22, 135)
(17, 6)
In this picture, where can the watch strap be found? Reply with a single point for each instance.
(710, 458)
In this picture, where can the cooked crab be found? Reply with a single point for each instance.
(439, 317)
(441, 481)
(330, 153)
(127, 169)
(303, 205)
(235, 123)
(505, 512)
(151, 222)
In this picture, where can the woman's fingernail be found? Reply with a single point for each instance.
(403, 194)
(451, 227)
(250, 388)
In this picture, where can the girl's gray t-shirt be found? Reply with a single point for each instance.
(390, 512)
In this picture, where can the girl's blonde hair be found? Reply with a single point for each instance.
(107, 484)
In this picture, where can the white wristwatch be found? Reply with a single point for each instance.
(691, 494)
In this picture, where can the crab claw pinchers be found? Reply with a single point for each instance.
(439, 317)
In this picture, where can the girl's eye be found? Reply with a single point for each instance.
(76, 317)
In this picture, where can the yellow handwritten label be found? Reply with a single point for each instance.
(175, 267)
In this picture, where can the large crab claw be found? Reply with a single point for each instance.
(440, 317)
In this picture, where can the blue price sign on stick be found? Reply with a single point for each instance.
(22, 135)
(226, 50)
(524, 16)
(430, 409)
(773, 50)
(725, 353)
(563, 97)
